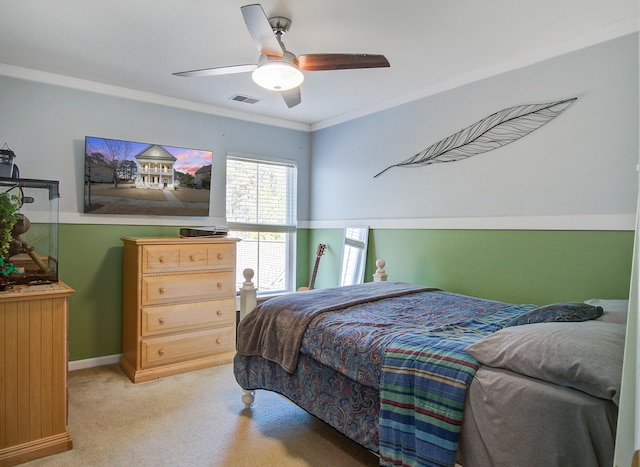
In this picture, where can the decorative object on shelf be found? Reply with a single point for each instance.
(29, 230)
(492, 132)
(205, 231)
(6, 270)
(8, 168)
(8, 219)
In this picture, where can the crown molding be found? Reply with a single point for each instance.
(142, 96)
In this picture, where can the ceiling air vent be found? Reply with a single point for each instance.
(245, 99)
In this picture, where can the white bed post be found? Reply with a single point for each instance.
(380, 275)
(248, 301)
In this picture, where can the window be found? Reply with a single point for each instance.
(261, 211)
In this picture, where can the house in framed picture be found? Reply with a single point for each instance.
(203, 176)
(98, 171)
(494, 157)
(155, 168)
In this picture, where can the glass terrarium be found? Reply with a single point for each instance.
(28, 231)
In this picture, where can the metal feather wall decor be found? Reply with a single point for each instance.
(492, 132)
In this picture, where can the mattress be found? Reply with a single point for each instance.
(533, 423)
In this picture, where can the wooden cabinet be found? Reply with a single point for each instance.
(33, 372)
(179, 305)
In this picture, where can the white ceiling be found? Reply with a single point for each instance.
(432, 45)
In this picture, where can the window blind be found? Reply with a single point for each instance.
(260, 194)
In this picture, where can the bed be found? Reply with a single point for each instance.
(423, 376)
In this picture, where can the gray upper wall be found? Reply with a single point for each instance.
(45, 125)
(582, 163)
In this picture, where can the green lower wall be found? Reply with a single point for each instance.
(516, 266)
(520, 266)
(91, 264)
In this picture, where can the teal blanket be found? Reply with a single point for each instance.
(425, 377)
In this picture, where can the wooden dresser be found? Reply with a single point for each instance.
(33, 372)
(179, 305)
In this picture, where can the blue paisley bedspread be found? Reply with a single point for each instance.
(411, 350)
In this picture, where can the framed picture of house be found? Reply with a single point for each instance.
(126, 177)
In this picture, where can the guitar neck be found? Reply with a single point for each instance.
(319, 253)
(312, 281)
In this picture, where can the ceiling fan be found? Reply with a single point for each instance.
(277, 68)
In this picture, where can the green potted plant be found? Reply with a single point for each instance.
(9, 215)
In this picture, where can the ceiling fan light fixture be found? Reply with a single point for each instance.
(277, 75)
(277, 68)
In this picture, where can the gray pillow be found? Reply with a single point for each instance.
(567, 311)
(615, 311)
(585, 356)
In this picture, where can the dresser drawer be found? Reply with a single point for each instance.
(173, 348)
(167, 258)
(187, 287)
(193, 257)
(222, 256)
(169, 318)
(160, 258)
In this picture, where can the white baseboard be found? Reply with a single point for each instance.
(93, 362)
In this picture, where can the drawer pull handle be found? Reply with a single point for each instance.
(218, 312)
(161, 320)
(161, 290)
(192, 258)
(218, 340)
(161, 259)
(219, 285)
(160, 352)
(219, 255)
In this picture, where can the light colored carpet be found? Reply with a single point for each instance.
(193, 419)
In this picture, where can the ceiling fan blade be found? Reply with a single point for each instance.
(222, 70)
(292, 97)
(261, 31)
(319, 62)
